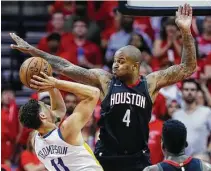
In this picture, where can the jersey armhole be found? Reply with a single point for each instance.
(109, 90)
(146, 87)
(60, 134)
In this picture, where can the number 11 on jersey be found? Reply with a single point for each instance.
(126, 117)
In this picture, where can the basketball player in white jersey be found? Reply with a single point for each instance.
(61, 148)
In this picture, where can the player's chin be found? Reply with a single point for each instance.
(116, 74)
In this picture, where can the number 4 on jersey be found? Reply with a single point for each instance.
(126, 118)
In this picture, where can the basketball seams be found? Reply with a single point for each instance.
(33, 66)
(40, 66)
(27, 71)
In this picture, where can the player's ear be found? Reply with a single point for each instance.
(136, 66)
(42, 116)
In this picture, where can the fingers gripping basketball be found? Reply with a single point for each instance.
(33, 66)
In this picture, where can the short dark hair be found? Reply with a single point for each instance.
(29, 114)
(174, 136)
(54, 36)
(82, 19)
(191, 80)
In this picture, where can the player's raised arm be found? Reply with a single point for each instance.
(92, 77)
(188, 64)
(57, 103)
(89, 96)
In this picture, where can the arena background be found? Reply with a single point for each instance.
(91, 42)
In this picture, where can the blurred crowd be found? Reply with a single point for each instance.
(88, 34)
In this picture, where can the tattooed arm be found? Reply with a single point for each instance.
(95, 77)
(177, 73)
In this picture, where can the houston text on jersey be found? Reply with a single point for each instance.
(128, 98)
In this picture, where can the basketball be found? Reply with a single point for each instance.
(33, 66)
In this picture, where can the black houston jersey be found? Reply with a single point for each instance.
(125, 114)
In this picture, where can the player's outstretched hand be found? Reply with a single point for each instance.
(21, 45)
(43, 83)
(184, 17)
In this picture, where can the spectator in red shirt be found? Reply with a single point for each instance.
(66, 7)
(9, 124)
(144, 24)
(80, 50)
(81, 10)
(155, 132)
(114, 27)
(102, 12)
(168, 48)
(54, 44)
(4, 167)
(56, 25)
(204, 41)
(159, 108)
(29, 160)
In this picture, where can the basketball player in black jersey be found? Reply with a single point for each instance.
(174, 136)
(126, 97)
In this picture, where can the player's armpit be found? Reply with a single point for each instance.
(71, 127)
(152, 168)
(171, 75)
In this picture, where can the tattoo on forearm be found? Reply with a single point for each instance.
(56, 62)
(189, 52)
(75, 72)
(185, 69)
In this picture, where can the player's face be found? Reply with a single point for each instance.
(122, 67)
(189, 92)
(45, 109)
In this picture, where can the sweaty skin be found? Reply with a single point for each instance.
(101, 79)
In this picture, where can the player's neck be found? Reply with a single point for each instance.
(177, 158)
(133, 80)
(43, 130)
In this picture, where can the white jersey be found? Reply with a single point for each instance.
(57, 155)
